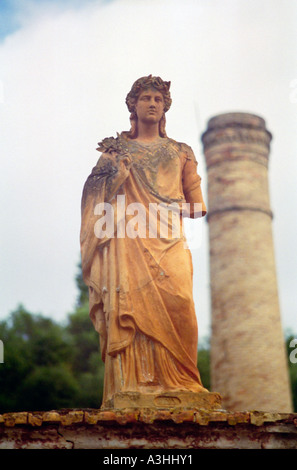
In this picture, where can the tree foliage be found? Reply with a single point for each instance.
(204, 366)
(48, 365)
(292, 355)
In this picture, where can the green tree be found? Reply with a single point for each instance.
(48, 365)
(83, 293)
(86, 363)
(292, 366)
(203, 363)
(35, 373)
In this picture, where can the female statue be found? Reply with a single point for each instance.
(140, 280)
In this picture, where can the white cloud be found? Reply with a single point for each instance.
(65, 76)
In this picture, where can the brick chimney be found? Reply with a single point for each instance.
(248, 357)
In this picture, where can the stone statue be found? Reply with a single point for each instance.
(134, 258)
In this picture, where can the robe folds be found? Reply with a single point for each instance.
(140, 277)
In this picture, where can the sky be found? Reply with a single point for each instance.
(65, 70)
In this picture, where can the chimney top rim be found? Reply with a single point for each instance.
(236, 118)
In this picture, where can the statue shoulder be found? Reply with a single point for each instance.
(185, 149)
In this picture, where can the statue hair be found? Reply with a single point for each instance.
(138, 87)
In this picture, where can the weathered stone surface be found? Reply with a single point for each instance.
(72, 417)
(167, 400)
(35, 419)
(11, 419)
(148, 429)
(51, 416)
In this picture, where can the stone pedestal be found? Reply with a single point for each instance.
(164, 401)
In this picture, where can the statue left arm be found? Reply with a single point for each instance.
(192, 185)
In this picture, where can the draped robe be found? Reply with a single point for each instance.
(140, 287)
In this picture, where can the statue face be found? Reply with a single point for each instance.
(150, 106)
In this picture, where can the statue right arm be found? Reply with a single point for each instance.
(110, 173)
(102, 185)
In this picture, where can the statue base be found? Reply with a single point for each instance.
(175, 399)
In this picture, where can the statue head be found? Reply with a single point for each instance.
(145, 83)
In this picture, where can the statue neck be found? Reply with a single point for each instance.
(148, 132)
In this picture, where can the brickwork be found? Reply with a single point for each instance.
(248, 360)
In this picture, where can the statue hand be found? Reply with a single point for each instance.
(124, 159)
(123, 163)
